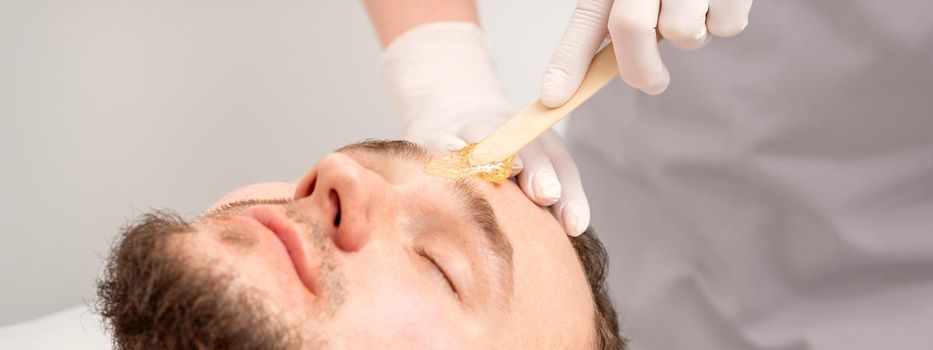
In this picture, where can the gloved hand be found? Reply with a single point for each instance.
(442, 79)
(633, 26)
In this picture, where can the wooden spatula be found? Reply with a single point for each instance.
(537, 118)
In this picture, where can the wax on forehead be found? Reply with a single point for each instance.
(457, 165)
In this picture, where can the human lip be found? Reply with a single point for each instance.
(275, 219)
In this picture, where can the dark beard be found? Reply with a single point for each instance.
(152, 299)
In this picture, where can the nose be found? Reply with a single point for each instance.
(342, 192)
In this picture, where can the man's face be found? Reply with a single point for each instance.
(367, 251)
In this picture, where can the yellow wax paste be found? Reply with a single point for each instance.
(457, 165)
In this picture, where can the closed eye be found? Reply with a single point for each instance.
(438, 267)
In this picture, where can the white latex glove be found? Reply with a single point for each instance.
(633, 26)
(442, 79)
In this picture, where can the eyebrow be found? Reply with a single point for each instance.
(495, 243)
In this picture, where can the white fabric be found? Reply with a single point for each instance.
(76, 328)
(779, 195)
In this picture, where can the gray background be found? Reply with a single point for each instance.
(110, 108)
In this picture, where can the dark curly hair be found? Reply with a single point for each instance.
(595, 263)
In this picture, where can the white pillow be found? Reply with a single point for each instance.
(74, 328)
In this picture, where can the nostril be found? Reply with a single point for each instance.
(335, 199)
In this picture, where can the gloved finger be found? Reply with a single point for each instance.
(444, 143)
(727, 17)
(517, 165)
(475, 131)
(573, 210)
(539, 180)
(633, 29)
(683, 23)
(568, 65)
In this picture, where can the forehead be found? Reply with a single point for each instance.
(549, 277)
